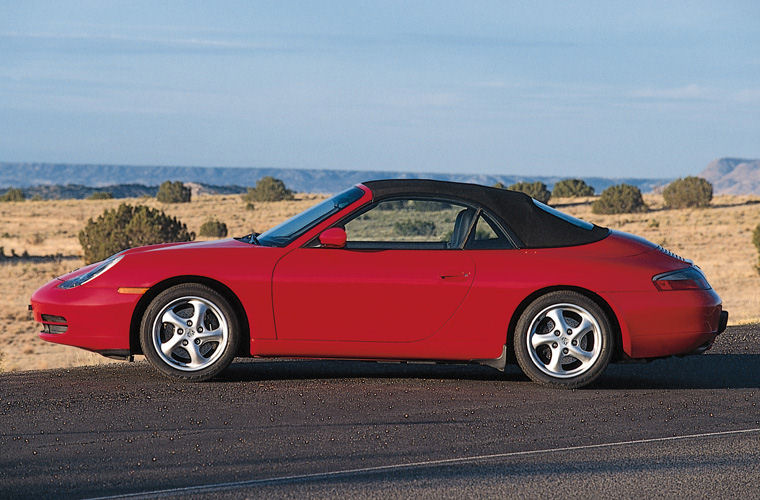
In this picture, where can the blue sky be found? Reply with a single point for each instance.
(616, 89)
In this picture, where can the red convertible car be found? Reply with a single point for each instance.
(414, 270)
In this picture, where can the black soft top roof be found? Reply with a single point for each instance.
(534, 227)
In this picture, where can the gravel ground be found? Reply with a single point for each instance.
(739, 339)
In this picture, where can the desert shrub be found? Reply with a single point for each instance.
(572, 188)
(100, 195)
(499, 185)
(428, 205)
(535, 190)
(35, 239)
(755, 240)
(129, 226)
(619, 199)
(173, 192)
(268, 189)
(414, 228)
(250, 206)
(13, 194)
(394, 205)
(688, 192)
(213, 228)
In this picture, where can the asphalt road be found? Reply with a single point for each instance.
(673, 427)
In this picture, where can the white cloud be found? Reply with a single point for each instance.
(689, 92)
(748, 96)
(178, 42)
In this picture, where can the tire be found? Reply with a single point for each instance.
(189, 332)
(563, 339)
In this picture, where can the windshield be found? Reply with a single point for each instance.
(294, 227)
(567, 218)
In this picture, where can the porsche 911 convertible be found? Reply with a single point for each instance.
(390, 270)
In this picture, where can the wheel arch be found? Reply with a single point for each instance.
(139, 310)
(618, 353)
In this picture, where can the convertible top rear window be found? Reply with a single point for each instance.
(567, 218)
(531, 225)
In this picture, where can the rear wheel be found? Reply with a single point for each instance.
(189, 331)
(563, 339)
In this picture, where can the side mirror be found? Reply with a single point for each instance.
(335, 237)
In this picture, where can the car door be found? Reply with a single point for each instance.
(399, 278)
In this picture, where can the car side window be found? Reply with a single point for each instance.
(487, 236)
(411, 224)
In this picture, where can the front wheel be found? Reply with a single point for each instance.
(190, 332)
(563, 339)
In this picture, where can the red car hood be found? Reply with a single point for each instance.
(189, 245)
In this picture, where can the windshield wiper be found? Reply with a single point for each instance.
(251, 239)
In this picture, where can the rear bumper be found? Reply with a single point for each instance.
(723, 322)
(668, 323)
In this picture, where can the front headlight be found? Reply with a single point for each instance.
(92, 273)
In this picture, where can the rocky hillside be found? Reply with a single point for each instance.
(25, 175)
(733, 176)
(78, 191)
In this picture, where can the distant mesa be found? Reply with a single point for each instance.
(79, 181)
(728, 176)
(733, 176)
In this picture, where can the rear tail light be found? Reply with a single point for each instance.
(689, 278)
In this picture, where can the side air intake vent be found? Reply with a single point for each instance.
(671, 254)
(53, 324)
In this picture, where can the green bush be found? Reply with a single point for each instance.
(394, 205)
(13, 194)
(213, 228)
(619, 199)
(572, 188)
(414, 228)
(499, 185)
(688, 192)
(535, 190)
(173, 192)
(100, 195)
(250, 206)
(428, 205)
(268, 189)
(126, 227)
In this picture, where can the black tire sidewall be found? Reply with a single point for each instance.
(176, 292)
(521, 332)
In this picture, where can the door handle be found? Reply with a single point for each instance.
(455, 277)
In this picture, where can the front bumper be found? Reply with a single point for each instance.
(93, 318)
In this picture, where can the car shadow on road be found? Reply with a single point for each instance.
(261, 370)
(711, 371)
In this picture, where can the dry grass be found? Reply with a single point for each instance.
(717, 238)
(51, 227)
